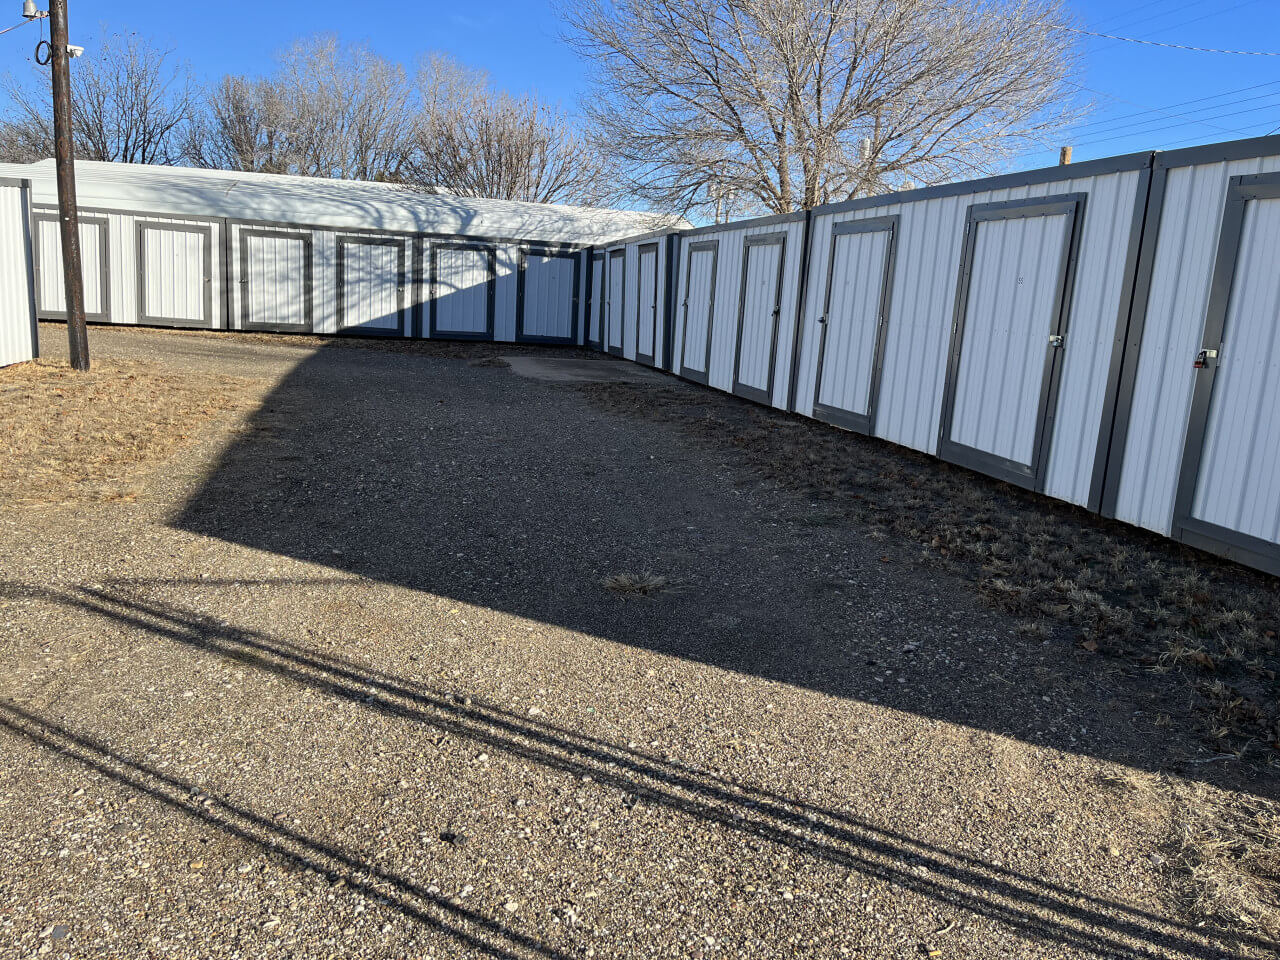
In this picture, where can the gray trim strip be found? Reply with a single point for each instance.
(1220, 152)
(1030, 475)
(668, 302)
(1209, 535)
(641, 251)
(779, 240)
(765, 221)
(491, 258)
(307, 282)
(29, 251)
(15, 182)
(104, 316)
(838, 416)
(400, 243)
(207, 322)
(521, 265)
(704, 375)
(802, 295)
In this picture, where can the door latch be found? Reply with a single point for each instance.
(1056, 340)
(823, 318)
(1203, 358)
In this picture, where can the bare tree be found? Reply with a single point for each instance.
(786, 104)
(327, 111)
(475, 141)
(131, 103)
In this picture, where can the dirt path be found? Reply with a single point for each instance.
(344, 680)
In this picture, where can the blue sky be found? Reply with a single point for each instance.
(1212, 97)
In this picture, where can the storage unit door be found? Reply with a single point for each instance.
(698, 306)
(1005, 344)
(647, 319)
(547, 301)
(758, 311)
(462, 302)
(854, 314)
(597, 301)
(175, 275)
(617, 299)
(51, 294)
(275, 281)
(1229, 495)
(371, 279)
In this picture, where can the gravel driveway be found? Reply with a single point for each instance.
(344, 681)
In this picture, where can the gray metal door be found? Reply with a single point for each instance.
(1229, 488)
(698, 310)
(95, 259)
(547, 296)
(855, 314)
(371, 285)
(759, 306)
(275, 281)
(1012, 305)
(175, 274)
(595, 317)
(647, 305)
(463, 284)
(616, 301)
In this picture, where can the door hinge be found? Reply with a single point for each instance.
(1056, 340)
(1203, 358)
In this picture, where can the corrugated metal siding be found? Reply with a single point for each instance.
(596, 307)
(51, 295)
(548, 295)
(695, 321)
(1239, 483)
(504, 310)
(648, 302)
(274, 285)
(856, 282)
(1010, 312)
(759, 320)
(173, 277)
(1186, 244)
(371, 284)
(17, 320)
(461, 291)
(616, 300)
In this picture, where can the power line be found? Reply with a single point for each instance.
(1164, 110)
(1166, 126)
(1159, 43)
(1123, 21)
(1167, 28)
(1137, 125)
(14, 27)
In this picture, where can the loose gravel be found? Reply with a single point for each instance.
(352, 676)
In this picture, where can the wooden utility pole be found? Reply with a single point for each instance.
(65, 160)
(1064, 156)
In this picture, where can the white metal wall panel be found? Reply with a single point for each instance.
(648, 302)
(1239, 482)
(759, 317)
(461, 291)
(174, 282)
(1186, 245)
(274, 282)
(371, 288)
(596, 307)
(548, 295)
(51, 294)
(504, 316)
(616, 300)
(1012, 293)
(695, 320)
(853, 316)
(17, 286)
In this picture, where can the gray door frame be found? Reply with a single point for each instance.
(641, 252)
(838, 416)
(402, 258)
(103, 225)
(595, 263)
(550, 251)
(741, 389)
(308, 284)
(1032, 475)
(1224, 541)
(688, 372)
(205, 230)
(606, 320)
(491, 259)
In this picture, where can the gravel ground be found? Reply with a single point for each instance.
(344, 681)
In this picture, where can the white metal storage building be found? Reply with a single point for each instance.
(18, 338)
(239, 251)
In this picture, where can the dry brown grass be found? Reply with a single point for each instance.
(77, 437)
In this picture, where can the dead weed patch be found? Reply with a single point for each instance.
(76, 437)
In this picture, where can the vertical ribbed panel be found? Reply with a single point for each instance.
(506, 267)
(16, 319)
(370, 272)
(51, 293)
(596, 312)
(857, 283)
(699, 285)
(759, 315)
(1012, 290)
(276, 288)
(548, 295)
(461, 290)
(1182, 271)
(616, 300)
(173, 284)
(647, 317)
(1239, 482)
